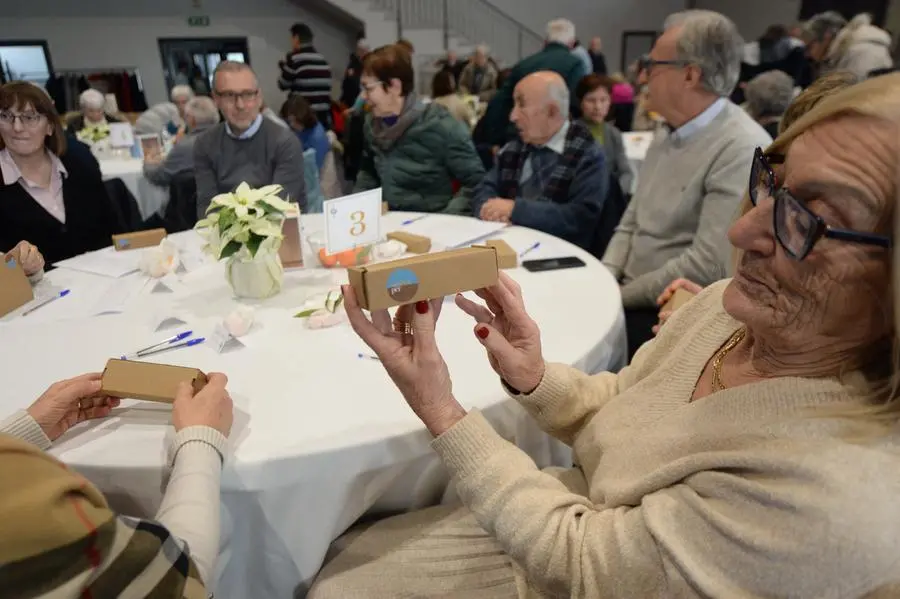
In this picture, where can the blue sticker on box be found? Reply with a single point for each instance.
(11, 263)
(402, 285)
(124, 243)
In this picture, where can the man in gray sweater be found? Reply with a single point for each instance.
(694, 175)
(247, 147)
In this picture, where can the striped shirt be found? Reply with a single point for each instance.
(307, 73)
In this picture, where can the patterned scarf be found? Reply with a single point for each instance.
(556, 189)
(384, 136)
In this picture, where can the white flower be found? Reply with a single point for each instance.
(159, 261)
(239, 322)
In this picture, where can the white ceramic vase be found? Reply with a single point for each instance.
(255, 277)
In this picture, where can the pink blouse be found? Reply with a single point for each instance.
(50, 198)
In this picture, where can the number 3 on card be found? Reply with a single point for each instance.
(358, 219)
(352, 221)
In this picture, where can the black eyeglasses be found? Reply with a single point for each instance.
(645, 63)
(798, 228)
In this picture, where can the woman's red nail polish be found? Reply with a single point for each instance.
(422, 307)
(482, 332)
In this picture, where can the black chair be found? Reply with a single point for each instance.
(124, 205)
(622, 116)
(613, 209)
(181, 211)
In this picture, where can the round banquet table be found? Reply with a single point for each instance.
(320, 437)
(151, 198)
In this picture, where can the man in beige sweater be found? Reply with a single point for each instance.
(751, 450)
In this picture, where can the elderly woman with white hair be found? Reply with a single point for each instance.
(180, 95)
(200, 113)
(857, 46)
(91, 103)
(768, 97)
(751, 450)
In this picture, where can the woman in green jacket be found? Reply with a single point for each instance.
(417, 153)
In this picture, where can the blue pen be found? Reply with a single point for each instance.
(368, 357)
(62, 293)
(190, 343)
(170, 340)
(535, 246)
(412, 220)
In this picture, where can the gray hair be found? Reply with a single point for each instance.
(561, 31)
(483, 49)
(232, 66)
(181, 91)
(91, 99)
(819, 26)
(769, 94)
(558, 93)
(203, 110)
(712, 42)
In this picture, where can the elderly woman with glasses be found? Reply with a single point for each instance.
(54, 199)
(751, 450)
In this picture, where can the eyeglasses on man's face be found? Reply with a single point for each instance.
(29, 120)
(797, 228)
(233, 97)
(646, 64)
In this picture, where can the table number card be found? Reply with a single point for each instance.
(121, 135)
(352, 221)
(223, 341)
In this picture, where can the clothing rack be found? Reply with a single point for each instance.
(124, 82)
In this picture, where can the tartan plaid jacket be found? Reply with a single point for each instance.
(573, 195)
(61, 540)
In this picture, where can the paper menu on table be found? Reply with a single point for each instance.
(106, 262)
(637, 143)
(461, 232)
(121, 294)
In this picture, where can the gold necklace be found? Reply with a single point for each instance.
(737, 337)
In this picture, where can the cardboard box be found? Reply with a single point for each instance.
(678, 299)
(15, 288)
(138, 239)
(291, 250)
(416, 244)
(148, 381)
(506, 255)
(409, 280)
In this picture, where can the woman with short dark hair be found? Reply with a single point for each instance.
(595, 97)
(55, 200)
(415, 152)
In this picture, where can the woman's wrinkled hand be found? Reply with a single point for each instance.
(211, 406)
(28, 256)
(511, 337)
(667, 294)
(409, 353)
(71, 402)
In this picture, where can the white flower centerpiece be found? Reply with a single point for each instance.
(245, 227)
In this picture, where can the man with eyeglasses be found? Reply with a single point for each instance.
(695, 172)
(247, 147)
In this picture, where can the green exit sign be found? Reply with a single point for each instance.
(199, 21)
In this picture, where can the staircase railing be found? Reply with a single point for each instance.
(478, 21)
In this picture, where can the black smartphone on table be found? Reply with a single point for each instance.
(552, 264)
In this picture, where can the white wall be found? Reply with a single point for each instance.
(606, 18)
(124, 33)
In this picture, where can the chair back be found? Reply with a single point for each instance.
(613, 209)
(124, 206)
(181, 211)
(314, 196)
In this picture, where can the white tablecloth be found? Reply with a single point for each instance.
(321, 437)
(151, 199)
(636, 145)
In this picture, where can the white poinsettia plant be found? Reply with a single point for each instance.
(244, 222)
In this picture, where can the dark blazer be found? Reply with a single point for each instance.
(90, 217)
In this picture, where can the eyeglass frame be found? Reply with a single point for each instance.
(820, 229)
(11, 121)
(232, 97)
(646, 64)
